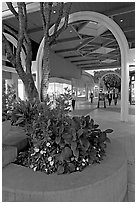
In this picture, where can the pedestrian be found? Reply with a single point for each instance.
(115, 98)
(73, 100)
(101, 97)
(91, 97)
(109, 97)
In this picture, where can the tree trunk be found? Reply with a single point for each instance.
(45, 72)
(30, 89)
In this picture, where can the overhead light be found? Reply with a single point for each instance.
(70, 31)
(121, 20)
(54, 11)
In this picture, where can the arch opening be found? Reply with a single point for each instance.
(124, 50)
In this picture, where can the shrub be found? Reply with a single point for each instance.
(58, 142)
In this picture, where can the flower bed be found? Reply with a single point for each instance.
(106, 182)
(58, 143)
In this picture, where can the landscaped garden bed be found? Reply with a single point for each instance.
(58, 142)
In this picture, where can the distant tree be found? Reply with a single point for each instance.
(111, 81)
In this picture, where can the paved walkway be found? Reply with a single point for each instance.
(124, 132)
(84, 107)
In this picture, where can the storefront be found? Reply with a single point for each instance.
(132, 88)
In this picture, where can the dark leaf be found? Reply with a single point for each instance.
(73, 145)
(76, 153)
(108, 131)
(67, 136)
(57, 140)
(108, 140)
(60, 169)
(20, 120)
(65, 154)
(102, 136)
(80, 132)
(61, 129)
(95, 126)
(71, 167)
(85, 143)
(19, 114)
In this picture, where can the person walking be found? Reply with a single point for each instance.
(101, 97)
(73, 100)
(91, 97)
(115, 98)
(109, 97)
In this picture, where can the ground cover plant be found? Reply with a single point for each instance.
(58, 142)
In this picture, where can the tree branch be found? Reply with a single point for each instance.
(46, 9)
(47, 14)
(65, 25)
(42, 15)
(27, 42)
(60, 15)
(11, 8)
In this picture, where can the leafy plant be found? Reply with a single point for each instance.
(58, 142)
(7, 100)
(64, 144)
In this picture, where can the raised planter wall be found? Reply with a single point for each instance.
(6, 126)
(105, 182)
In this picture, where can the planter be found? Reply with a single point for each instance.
(105, 182)
(6, 126)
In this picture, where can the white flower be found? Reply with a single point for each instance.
(48, 144)
(49, 158)
(83, 164)
(77, 168)
(83, 160)
(36, 149)
(31, 166)
(94, 147)
(98, 155)
(46, 170)
(87, 159)
(51, 163)
(33, 154)
(34, 169)
(72, 158)
(41, 152)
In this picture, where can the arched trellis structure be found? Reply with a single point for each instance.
(124, 50)
(115, 73)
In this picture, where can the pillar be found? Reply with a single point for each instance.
(124, 87)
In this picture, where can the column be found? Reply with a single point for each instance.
(124, 86)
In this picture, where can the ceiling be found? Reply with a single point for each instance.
(87, 44)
